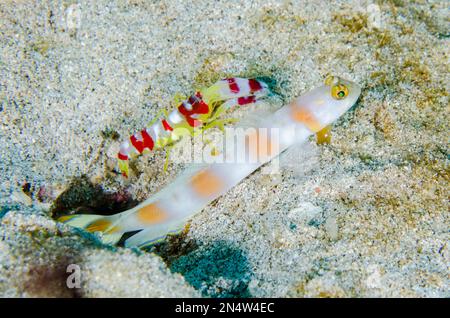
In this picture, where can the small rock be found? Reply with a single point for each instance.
(21, 197)
(331, 228)
(304, 213)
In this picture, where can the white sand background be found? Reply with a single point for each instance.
(366, 215)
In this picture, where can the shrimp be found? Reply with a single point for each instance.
(199, 111)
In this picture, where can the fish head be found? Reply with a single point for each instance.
(326, 103)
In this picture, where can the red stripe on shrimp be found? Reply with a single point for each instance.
(198, 107)
(254, 85)
(246, 100)
(166, 125)
(234, 87)
(187, 115)
(137, 144)
(148, 140)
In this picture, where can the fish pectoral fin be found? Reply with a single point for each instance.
(324, 135)
(148, 236)
(111, 239)
(95, 223)
(155, 234)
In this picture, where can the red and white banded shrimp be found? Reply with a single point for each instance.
(192, 114)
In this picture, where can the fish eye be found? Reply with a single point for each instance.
(339, 91)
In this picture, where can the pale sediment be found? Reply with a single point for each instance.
(364, 216)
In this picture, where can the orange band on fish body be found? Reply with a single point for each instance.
(206, 183)
(152, 214)
(302, 115)
(101, 225)
(261, 146)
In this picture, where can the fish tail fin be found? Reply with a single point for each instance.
(95, 223)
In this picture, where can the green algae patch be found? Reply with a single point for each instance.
(269, 17)
(42, 46)
(212, 69)
(353, 23)
(110, 133)
(414, 70)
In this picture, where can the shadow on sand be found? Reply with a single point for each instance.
(219, 269)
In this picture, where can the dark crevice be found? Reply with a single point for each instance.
(83, 197)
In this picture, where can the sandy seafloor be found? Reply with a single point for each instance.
(366, 216)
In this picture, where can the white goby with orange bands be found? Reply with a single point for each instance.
(168, 210)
